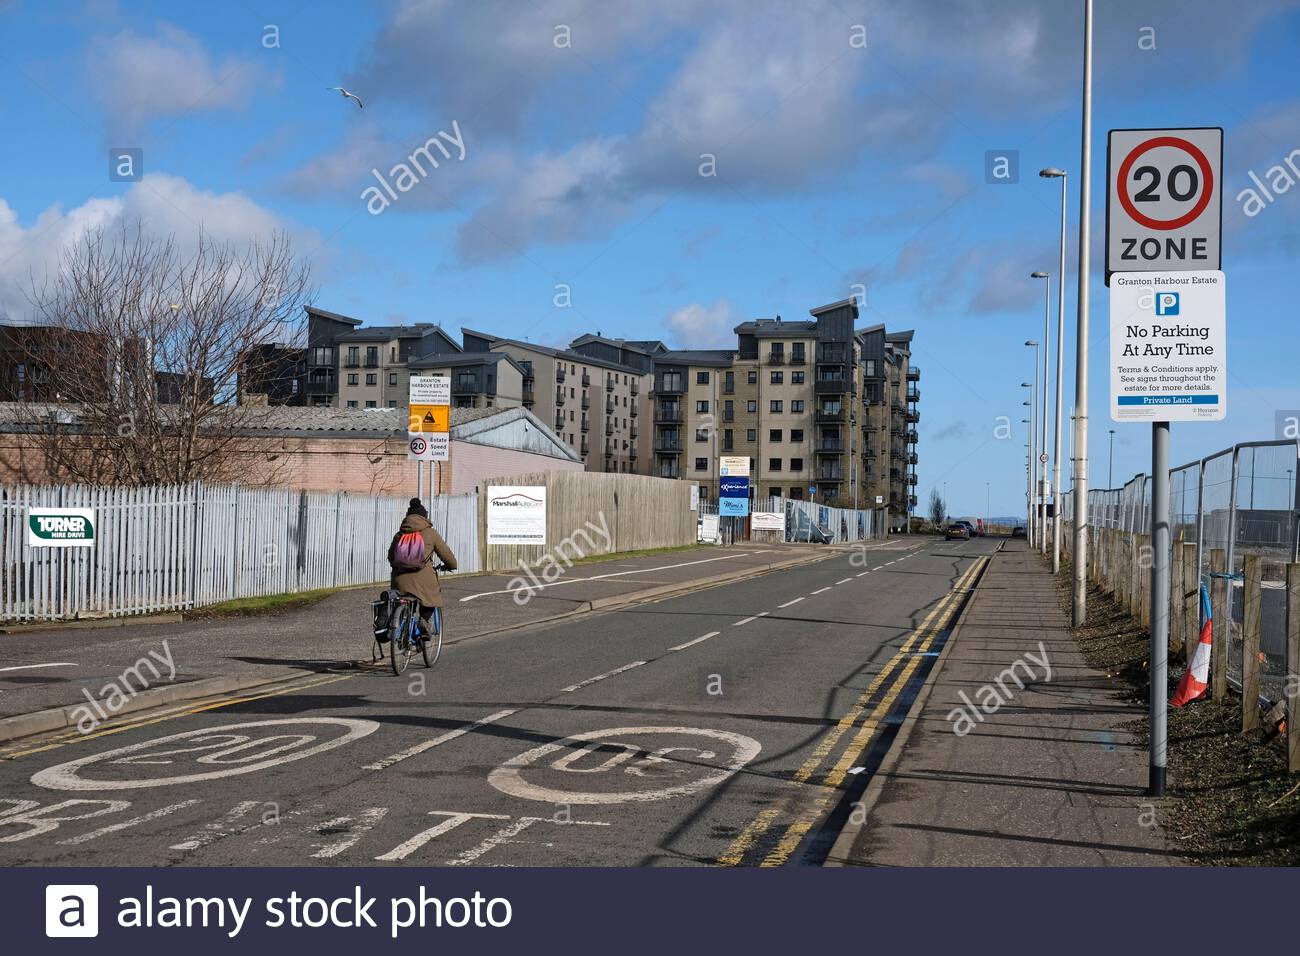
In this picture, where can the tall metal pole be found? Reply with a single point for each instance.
(1160, 546)
(1080, 565)
(1110, 481)
(1042, 415)
(1035, 405)
(1056, 419)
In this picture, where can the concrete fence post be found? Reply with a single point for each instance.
(1251, 608)
(1293, 666)
(1220, 627)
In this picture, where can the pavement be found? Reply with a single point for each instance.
(731, 725)
(48, 668)
(1050, 774)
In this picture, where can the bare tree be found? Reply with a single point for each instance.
(938, 508)
(142, 351)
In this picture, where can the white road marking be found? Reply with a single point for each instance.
(369, 817)
(212, 832)
(454, 819)
(863, 574)
(744, 620)
(116, 827)
(64, 776)
(507, 834)
(682, 647)
(25, 667)
(420, 748)
(592, 680)
(844, 580)
(877, 567)
(788, 603)
(615, 574)
(821, 590)
(509, 779)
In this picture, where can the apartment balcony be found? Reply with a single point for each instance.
(913, 417)
(775, 358)
(585, 423)
(668, 446)
(668, 414)
(609, 427)
(324, 387)
(636, 388)
(832, 386)
(911, 480)
(466, 386)
(669, 387)
(832, 353)
(586, 380)
(668, 470)
(836, 447)
(352, 363)
(911, 459)
(797, 358)
(911, 501)
(914, 373)
(586, 403)
(610, 406)
(897, 407)
(559, 422)
(559, 373)
(528, 395)
(609, 385)
(829, 416)
(631, 453)
(559, 396)
(913, 394)
(633, 432)
(586, 448)
(911, 437)
(372, 363)
(829, 473)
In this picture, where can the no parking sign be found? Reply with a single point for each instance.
(1164, 208)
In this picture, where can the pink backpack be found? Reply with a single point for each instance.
(409, 554)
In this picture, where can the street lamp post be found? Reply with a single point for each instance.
(1040, 466)
(1079, 567)
(1028, 472)
(1110, 477)
(1051, 172)
(1035, 412)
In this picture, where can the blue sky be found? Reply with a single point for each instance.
(849, 140)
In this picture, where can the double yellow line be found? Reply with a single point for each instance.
(129, 723)
(901, 667)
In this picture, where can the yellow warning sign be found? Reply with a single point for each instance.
(430, 418)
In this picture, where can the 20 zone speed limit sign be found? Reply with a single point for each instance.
(1164, 208)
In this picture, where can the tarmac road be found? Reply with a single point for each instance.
(731, 725)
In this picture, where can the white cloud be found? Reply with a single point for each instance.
(166, 205)
(137, 78)
(702, 327)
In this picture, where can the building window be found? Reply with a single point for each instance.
(796, 352)
(796, 464)
(729, 382)
(392, 403)
(796, 434)
(752, 378)
(701, 464)
(778, 378)
(728, 441)
(774, 434)
(796, 406)
(751, 434)
(392, 378)
(701, 378)
(370, 404)
(869, 367)
(353, 353)
(352, 378)
(702, 407)
(372, 379)
(796, 378)
(774, 464)
(372, 354)
(777, 405)
(751, 406)
(392, 354)
(797, 493)
(701, 434)
(352, 404)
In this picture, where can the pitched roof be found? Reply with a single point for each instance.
(336, 316)
(567, 355)
(717, 358)
(462, 359)
(384, 333)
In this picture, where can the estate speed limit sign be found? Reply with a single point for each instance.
(1164, 207)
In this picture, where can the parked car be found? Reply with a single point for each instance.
(1018, 531)
(970, 526)
(956, 530)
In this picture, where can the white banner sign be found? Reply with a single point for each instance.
(734, 466)
(430, 390)
(767, 521)
(709, 528)
(516, 514)
(61, 527)
(1168, 347)
(695, 497)
(428, 446)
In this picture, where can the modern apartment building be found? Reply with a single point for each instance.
(784, 398)
(890, 393)
(595, 404)
(479, 379)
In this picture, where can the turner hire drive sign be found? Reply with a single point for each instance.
(61, 527)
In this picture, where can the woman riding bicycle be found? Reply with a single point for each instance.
(422, 582)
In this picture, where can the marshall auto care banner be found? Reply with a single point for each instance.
(516, 515)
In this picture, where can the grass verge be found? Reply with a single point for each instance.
(1231, 801)
(268, 604)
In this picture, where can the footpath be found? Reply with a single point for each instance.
(47, 673)
(1044, 775)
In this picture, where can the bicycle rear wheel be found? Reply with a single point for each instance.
(431, 647)
(400, 638)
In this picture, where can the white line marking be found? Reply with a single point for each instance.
(844, 580)
(877, 567)
(592, 680)
(743, 620)
(219, 829)
(116, 827)
(441, 739)
(454, 819)
(821, 590)
(863, 574)
(369, 817)
(682, 647)
(24, 667)
(616, 574)
(788, 603)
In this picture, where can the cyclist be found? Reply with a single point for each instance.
(421, 582)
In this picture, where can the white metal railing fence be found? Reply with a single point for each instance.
(801, 518)
(183, 546)
(1242, 500)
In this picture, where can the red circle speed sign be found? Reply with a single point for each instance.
(1207, 183)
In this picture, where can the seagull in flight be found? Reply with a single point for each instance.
(347, 95)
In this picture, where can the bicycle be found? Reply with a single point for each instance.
(403, 632)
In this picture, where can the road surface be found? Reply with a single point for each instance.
(730, 726)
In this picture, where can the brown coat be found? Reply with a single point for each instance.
(422, 584)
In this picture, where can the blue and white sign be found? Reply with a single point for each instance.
(733, 497)
(1168, 347)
